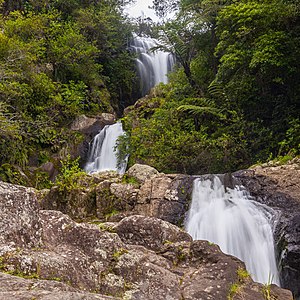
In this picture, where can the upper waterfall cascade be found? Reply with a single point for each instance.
(152, 66)
(102, 153)
(239, 225)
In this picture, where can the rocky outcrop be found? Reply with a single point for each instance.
(166, 197)
(92, 125)
(46, 255)
(110, 196)
(279, 188)
(89, 127)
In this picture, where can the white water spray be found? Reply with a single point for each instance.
(102, 152)
(153, 67)
(240, 226)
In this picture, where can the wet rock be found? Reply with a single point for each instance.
(88, 127)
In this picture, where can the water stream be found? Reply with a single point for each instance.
(152, 67)
(239, 225)
(102, 153)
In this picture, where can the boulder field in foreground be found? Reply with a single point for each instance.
(46, 255)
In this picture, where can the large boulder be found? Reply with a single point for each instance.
(166, 197)
(92, 125)
(279, 188)
(150, 232)
(87, 261)
(19, 217)
(141, 172)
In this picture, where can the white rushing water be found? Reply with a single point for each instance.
(152, 67)
(240, 226)
(102, 153)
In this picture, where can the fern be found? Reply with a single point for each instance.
(216, 90)
(195, 110)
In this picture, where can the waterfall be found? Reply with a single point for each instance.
(102, 153)
(152, 67)
(239, 225)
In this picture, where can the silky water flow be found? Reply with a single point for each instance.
(103, 153)
(240, 226)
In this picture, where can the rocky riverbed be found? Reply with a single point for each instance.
(124, 247)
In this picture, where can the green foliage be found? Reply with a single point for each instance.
(130, 180)
(12, 174)
(233, 98)
(70, 175)
(243, 274)
(58, 60)
(291, 144)
(172, 140)
(234, 289)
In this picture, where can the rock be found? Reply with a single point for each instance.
(49, 168)
(72, 260)
(16, 288)
(79, 203)
(149, 232)
(141, 172)
(91, 126)
(279, 188)
(19, 220)
(109, 196)
(166, 198)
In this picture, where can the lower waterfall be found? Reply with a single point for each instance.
(102, 153)
(240, 226)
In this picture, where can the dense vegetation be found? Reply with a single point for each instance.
(58, 59)
(232, 100)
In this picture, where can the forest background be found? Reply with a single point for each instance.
(232, 99)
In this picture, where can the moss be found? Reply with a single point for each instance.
(108, 205)
(126, 179)
(167, 242)
(234, 289)
(105, 227)
(243, 274)
(119, 253)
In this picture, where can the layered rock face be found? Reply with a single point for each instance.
(279, 188)
(46, 255)
(109, 196)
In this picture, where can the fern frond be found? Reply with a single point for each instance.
(195, 110)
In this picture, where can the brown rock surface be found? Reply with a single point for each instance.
(109, 196)
(84, 261)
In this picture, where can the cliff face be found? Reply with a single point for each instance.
(46, 255)
(279, 188)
